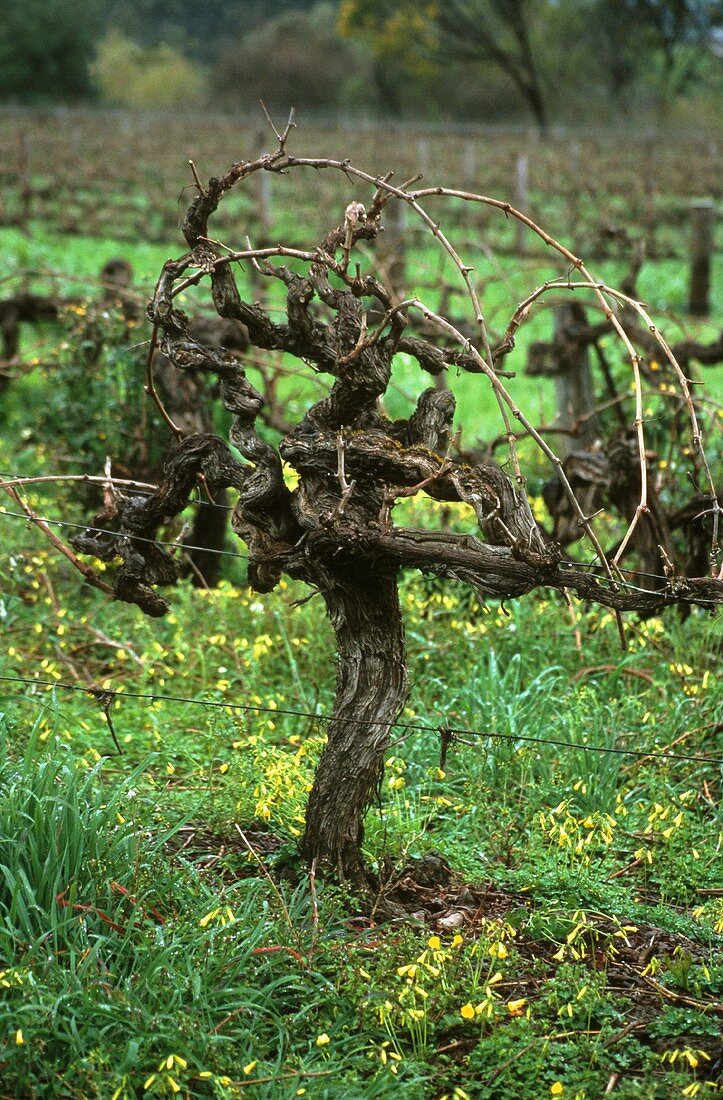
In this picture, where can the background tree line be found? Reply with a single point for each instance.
(475, 60)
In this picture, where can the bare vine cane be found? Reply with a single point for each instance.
(90, 575)
(334, 530)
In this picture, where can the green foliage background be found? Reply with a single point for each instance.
(641, 60)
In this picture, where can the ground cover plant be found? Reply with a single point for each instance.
(567, 929)
(553, 916)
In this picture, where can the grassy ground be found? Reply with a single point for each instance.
(158, 935)
(147, 949)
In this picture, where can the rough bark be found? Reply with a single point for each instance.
(371, 690)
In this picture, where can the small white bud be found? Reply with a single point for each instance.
(353, 212)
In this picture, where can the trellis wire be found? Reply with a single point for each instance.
(121, 534)
(244, 557)
(409, 727)
(19, 480)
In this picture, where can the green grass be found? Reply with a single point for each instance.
(100, 1006)
(145, 952)
(128, 966)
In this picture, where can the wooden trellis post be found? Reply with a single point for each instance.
(702, 245)
(522, 202)
(392, 248)
(573, 380)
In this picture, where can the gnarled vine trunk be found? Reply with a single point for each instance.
(372, 687)
(334, 528)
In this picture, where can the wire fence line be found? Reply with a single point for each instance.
(121, 535)
(443, 730)
(18, 480)
(144, 490)
(138, 488)
(185, 546)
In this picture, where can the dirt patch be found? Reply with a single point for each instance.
(230, 855)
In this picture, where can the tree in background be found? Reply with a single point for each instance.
(675, 34)
(658, 45)
(499, 33)
(410, 40)
(296, 59)
(483, 59)
(197, 30)
(46, 47)
(624, 51)
(618, 62)
(621, 47)
(148, 77)
(401, 40)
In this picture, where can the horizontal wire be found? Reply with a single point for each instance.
(14, 481)
(413, 727)
(623, 569)
(230, 508)
(120, 534)
(244, 557)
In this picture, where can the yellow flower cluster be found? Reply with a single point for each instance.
(12, 976)
(577, 834)
(585, 936)
(283, 780)
(662, 824)
(389, 1057)
(429, 986)
(397, 767)
(664, 820)
(421, 982)
(221, 916)
(691, 685)
(164, 1081)
(688, 1058)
